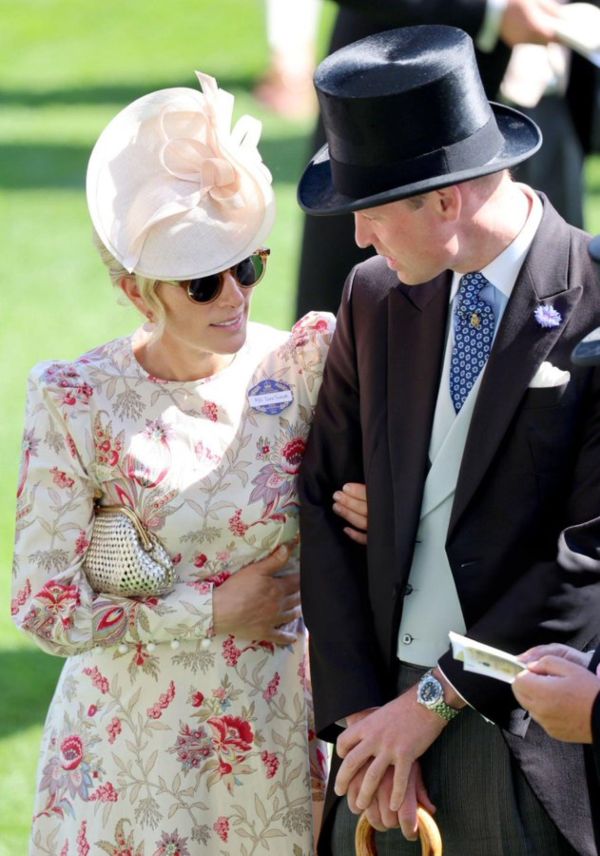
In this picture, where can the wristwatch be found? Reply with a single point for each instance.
(430, 693)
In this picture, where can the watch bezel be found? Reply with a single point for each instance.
(429, 680)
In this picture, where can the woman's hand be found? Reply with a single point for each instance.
(351, 503)
(255, 602)
(559, 694)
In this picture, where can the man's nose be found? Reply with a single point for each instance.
(362, 230)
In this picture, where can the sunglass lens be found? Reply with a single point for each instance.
(250, 270)
(205, 288)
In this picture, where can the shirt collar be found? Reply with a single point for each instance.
(503, 271)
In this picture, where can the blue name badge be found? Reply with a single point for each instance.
(270, 396)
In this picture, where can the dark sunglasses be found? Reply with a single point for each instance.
(246, 273)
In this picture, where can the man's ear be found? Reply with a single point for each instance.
(131, 290)
(448, 202)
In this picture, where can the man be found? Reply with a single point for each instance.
(446, 389)
(496, 26)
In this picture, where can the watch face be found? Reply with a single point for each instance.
(431, 691)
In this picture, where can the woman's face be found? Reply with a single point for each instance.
(218, 327)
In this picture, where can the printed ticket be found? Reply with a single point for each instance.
(485, 660)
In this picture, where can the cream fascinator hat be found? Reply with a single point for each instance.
(173, 191)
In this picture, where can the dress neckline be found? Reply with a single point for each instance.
(236, 361)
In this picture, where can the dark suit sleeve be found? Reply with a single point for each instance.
(344, 661)
(466, 14)
(554, 600)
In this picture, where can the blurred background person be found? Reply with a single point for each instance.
(287, 86)
(561, 101)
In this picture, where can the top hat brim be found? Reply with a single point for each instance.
(317, 195)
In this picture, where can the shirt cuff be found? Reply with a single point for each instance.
(487, 37)
(443, 674)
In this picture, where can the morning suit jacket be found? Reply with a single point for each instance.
(530, 468)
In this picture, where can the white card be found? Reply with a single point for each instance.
(485, 660)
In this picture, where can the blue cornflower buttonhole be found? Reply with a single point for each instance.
(547, 316)
(270, 396)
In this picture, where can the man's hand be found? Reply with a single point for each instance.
(258, 603)
(380, 815)
(556, 649)
(559, 695)
(394, 735)
(529, 21)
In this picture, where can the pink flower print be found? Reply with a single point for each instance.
(98, 680)
(83, 848)
(158, 431)
(223, 557)
(65, 850)
(231, 733)
(221, 827)
(71, 752)
(164, 700)
(108, 449)
(218, 579)
(92, 710)
(140, 657)
(302, 674)
(271, 762)
(68, 378)
(104, 793)
(81, 544)
(231, 653)
(71, 446)
(272, 687)
(210, 411)
(114, 729)
(192, 747)
(60, 478)
(21, 599)
(171, 845)
(236, 524)
(176, 559)
(60, 601)
(197, 699)
(293, 452)
(263, 449)
(204, 453)
(30, 447)
(200, 560)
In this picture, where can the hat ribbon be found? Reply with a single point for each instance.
(201, 149)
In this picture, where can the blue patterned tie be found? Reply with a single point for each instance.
(474, 324)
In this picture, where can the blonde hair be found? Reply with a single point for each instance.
(146, 285)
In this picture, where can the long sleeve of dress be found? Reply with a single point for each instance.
(52, 600)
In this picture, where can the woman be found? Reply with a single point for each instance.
(180, 724)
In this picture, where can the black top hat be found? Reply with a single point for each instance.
(404, 113)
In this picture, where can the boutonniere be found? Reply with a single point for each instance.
(547, 316)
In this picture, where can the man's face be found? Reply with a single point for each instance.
(410, 234)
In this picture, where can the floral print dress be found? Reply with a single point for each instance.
(164, 739)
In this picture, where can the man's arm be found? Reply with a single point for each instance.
(344, 660)
(519, 21)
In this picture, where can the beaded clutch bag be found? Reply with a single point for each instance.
(124, 557)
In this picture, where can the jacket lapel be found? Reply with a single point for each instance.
(520, 348)
(416, 335)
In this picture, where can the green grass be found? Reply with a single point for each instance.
(67, 67)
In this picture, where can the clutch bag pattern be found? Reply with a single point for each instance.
(124, 557)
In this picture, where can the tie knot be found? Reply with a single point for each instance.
(469, 292)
